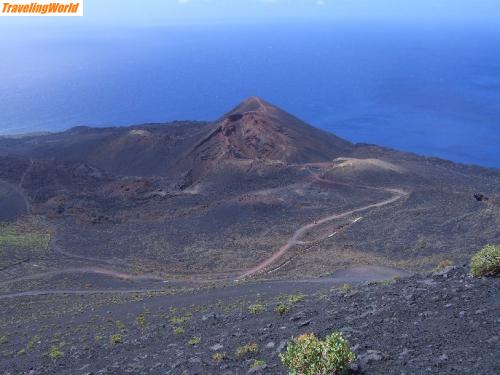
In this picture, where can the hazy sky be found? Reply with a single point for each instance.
(164, 12)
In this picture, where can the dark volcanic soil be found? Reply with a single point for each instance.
(445, 323)
(115, 244)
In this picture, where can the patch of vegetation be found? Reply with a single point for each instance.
(219, 356)
(3, 340)
(120, 325)
(21, 352)
(116, 339)
(256, 308)
(281, 308)
(24, 236)
(443, 265)
(179, 330)
(55, 353)
(194, 340)
(141, 320)
(287, 301)
(308, 355)
(296, 298)
(176, 320)
(387, 282)
(346, 288)
(258, 363)
(247, 350)
(486, 262)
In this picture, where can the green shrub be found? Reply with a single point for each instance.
(219, 356)
(258, 363)
(141, 320)
(296, 298)
(247, 350)
(486, 262)
(281, 308)
(55, 353)
(194, 340)
(256, 308)
(3, 340)
(116, 339)
(179, 331)
(180, 319)
(307, 355)
(346, 288)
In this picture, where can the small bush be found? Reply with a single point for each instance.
(247, 350)
(3, 340)
(141, 320)
(55, 353)
(179, 331)
(281, 309)
(307, 355)
(116, 339)
(258, 363)
(443, 265)
(194, 340)
(296, 298)
(486, 262)
(346, 288)
(180, 319)
(256, 308)
(219, 356)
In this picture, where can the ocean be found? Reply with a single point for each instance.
(429, 89)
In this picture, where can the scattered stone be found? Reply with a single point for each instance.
(443, 358)
(216, 347)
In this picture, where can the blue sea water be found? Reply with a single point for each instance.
(429, 89)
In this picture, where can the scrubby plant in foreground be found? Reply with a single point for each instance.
(116, 339)
(308, 355)
(55, 353)
(247, 350)
(281, 308)
(486, 262)
(194, 340)
(258, 363)
(256, 308)
(219, 356)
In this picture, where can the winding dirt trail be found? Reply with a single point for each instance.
(299, 233)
